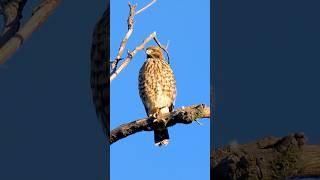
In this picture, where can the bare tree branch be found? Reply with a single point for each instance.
(184, 115)
(39, 16)
(268, 158)
(146, 7)
(131, 55)
(130, 22)
(123, 43)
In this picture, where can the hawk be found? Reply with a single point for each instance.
(157, 89)
(99, 74)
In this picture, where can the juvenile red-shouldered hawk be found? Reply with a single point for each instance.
(157, 89)
(99, 75)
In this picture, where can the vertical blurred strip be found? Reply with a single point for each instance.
(215, 73)
(212, 100)
(212, 97)
(99, 77)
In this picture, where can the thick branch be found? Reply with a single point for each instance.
(39, 16)
(269, 158)
(185, 115)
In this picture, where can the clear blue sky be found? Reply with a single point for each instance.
(48, 126)
(186, 25)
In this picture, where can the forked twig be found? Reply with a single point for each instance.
(123, 43)
(162, 47)
(130, 22)
(131, 55)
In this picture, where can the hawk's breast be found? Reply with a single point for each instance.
(157, 85)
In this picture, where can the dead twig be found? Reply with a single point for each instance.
(124, 41)
(162, 47)
(130, 22)
(167, 46)
(146, 7)
(185, 115)
(131, 55)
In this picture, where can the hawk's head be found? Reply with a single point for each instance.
(154, 52)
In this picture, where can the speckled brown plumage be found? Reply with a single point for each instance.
(99, 75)
(157, 89)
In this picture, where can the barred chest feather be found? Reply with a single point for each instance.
(157, 85)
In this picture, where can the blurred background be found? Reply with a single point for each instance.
(48, 126)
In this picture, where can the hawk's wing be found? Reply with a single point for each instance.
(99, 77)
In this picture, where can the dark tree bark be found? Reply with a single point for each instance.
(268, 158)
(185, 115)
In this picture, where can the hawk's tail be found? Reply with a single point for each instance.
(161, 137)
